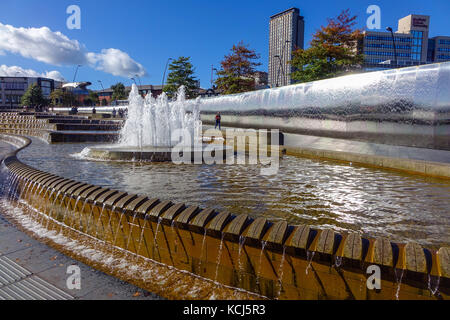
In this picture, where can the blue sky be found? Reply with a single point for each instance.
(149, 32)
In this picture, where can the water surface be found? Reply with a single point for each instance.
(322, 193)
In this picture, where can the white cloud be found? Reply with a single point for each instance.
(116, 62)
(45, 45)
(42, 45)
(56, 75)
(15, 71)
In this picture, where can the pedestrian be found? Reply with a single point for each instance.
(114, 112)
(218, 121)
(94, 111)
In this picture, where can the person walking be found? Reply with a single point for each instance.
(218, 121)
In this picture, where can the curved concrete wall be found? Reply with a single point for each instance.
(274, 259)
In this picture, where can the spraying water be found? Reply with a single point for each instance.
(152, 122)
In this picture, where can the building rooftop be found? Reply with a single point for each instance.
(285, 11)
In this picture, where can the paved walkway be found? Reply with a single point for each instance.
(30, 270)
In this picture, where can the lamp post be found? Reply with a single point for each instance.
(278, 71)
(103, 89)
(101, 83)
(395, 47)
(212, 76)
(76, 71)
(281, 62)
(139, 78)
(164, 76)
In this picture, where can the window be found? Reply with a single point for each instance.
(387, 46)
(388, 54)
(14, 86)
(417, 45)
(388, 38)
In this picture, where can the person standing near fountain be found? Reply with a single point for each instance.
(218, 121)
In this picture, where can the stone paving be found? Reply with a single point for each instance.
(32, 270)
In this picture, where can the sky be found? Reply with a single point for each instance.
(121, 39)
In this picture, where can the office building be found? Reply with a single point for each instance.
(287, 31)
(13, 88)
(438, 49)
(410, 45)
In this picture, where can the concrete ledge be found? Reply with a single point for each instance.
(433, 169)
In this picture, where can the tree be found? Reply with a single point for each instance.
(181, 74)
(93, 97)
(333, 51)
(33, 96)
(237, 71)
(62, 98)
(119, 92)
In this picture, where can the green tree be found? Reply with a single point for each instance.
(236, 74)
(333, 51)
(181, 74)
(119, 92)
(93, 97)
(33, 96)
(64, 98)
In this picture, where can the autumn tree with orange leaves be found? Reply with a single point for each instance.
(238, 68)
(333, 51)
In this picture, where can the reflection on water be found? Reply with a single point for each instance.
(323, 193)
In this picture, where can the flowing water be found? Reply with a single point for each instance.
(320, 193)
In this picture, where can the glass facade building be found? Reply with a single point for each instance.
(412, 45)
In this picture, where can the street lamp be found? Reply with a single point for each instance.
(212, 76)
(76, 71)
(281, 62)
(278, 71)
(137, 76)
(393, 41)
(164, 76)
(103, 89)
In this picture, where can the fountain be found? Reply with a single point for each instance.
(157, 130)
(249, 252)
(406, 107)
